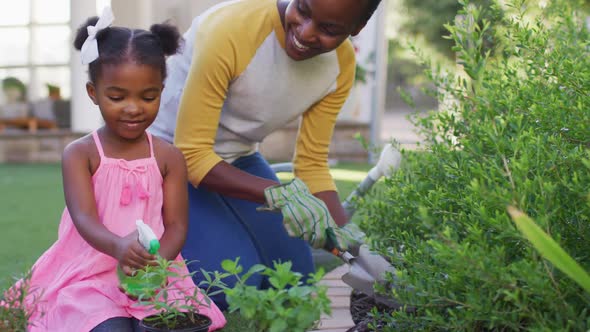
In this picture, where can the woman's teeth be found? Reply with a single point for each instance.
(299, 45)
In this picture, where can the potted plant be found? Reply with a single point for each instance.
(175, 309)
(15, 89)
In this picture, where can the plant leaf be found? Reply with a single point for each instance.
(549, 249)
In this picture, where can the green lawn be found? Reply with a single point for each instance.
(30, 210)
(32, 202)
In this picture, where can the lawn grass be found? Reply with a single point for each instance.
(30, 209)
(31, 203)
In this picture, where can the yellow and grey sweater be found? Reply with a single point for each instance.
(233, 84)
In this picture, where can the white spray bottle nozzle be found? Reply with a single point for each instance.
(389, 161)
(147, 237)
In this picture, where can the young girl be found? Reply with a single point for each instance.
(113, 177)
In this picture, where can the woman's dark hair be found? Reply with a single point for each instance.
(371, 7)
(117, 45)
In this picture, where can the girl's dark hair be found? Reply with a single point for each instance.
(117, 45)
(371, 7)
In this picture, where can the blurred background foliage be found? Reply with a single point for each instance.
(422, 24)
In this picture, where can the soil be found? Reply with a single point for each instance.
(360, 306)
(184, 323)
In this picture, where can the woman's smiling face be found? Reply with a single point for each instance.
(314, 27)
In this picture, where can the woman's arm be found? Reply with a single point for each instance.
(243, 185)
(175, 209)
(332, 200)
(315, 135)
(222, 52)
(81, 204)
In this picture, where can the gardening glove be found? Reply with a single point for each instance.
(350, 239)
(353, 234)
(304, 215)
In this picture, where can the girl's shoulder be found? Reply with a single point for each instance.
(167, 156)
(83, 148)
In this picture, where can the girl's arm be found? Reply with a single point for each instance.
(81, 204)
(175, 209)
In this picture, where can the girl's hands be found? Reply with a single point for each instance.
(132, 255)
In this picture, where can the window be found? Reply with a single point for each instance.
(35, 39)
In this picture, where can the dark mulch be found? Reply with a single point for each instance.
(361, 306)
(184, 322)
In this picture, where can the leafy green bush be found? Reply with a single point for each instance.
(515, 131)
(288, 306)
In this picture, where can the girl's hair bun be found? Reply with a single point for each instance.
(169, 37)
(82, 32)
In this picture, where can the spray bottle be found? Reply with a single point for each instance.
(147, 238)
(140, 281)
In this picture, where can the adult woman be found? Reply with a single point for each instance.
(250, 67)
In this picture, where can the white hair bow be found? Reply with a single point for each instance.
(89, 51)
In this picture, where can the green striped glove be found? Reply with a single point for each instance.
(352, 234)
(304, 215)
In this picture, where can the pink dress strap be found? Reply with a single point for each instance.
(101, 150)
(98, 145)
(151, 142)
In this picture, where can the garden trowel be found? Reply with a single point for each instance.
(367, 267)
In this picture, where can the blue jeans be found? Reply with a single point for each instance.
(222, 227)
(118, 324)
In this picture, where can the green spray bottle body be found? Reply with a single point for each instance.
(142, 281)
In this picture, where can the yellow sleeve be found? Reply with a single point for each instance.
(317, 127)
(222, 51)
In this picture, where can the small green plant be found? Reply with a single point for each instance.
(144, 282)
(16, 310)
(360, 74)
(176, 308)
(289, 305)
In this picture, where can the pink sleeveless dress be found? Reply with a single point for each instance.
(76, 286)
